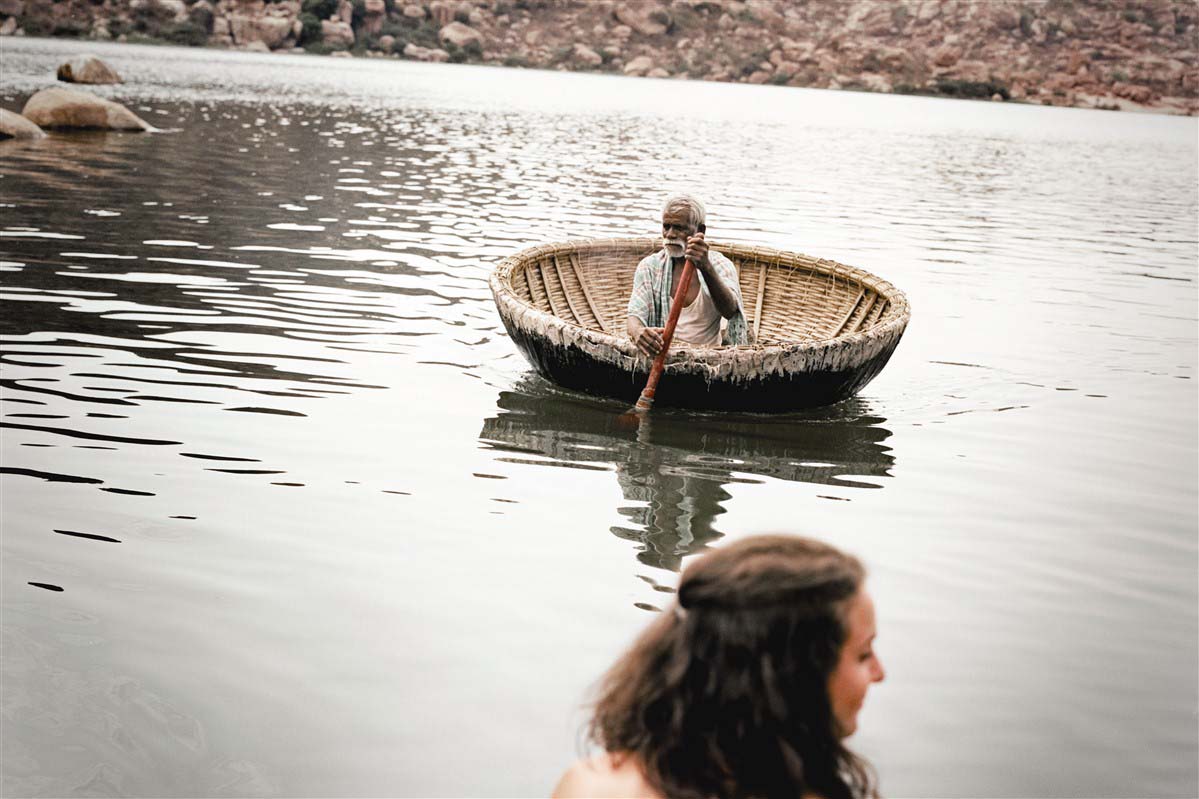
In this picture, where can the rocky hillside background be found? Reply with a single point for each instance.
(1131, 54)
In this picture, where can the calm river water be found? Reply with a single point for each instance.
(286, 514)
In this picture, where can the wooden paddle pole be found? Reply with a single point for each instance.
(646, 401)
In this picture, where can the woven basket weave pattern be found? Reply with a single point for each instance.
(787, 298)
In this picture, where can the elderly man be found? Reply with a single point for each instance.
(714, 297)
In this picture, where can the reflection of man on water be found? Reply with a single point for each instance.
(682, 500)
(711, 299)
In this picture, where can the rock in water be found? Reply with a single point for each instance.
(15, 126)
(419, 53)
(70, 108)
(88, 69)
(639, 66)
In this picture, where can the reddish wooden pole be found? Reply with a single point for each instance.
(646, 401)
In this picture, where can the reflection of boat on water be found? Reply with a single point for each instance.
(828, 445)
(822, 330)
(676, 465)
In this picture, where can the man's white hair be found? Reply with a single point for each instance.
(688, 204)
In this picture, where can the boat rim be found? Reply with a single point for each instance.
(562, 331)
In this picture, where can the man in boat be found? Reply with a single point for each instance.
(713, 298)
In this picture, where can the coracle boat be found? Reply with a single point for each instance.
(821, 330)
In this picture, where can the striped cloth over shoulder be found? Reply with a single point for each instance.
(650, 300)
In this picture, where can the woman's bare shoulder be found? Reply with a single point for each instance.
(605, 776)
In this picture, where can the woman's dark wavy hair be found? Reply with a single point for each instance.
(729, 696)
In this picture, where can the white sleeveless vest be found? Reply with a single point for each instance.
(699, 322)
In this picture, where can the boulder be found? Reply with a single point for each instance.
(786, 69)
(1004, 16)
(242, 28)
(15, 126)
(373, 16)
(583, 54)
(947, 55)
(418, 53)
(767, 11)
(387, 43)
(872, 19)
(459, 35)
(657, 72)
(442, 12)
(273, 31)
(87, 69)
(337, 33)
(646, 20)
(245, 29)
(639, 66)
(71, 108)
(1138, 94)
(177, 8)
(414, 11)
(976, 71)
(8, 27)
(874, 82)
(1159, 11)
(892, 58)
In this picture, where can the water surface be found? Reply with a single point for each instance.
(286, 514)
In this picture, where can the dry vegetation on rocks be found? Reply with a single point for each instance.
(1098, 53)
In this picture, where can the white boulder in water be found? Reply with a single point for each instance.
(71, 108)
(15, 126)
(88, 69)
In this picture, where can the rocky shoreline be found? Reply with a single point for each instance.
(1112, 54)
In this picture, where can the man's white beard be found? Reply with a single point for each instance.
(675, 249)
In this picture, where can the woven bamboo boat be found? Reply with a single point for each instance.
(821, 330)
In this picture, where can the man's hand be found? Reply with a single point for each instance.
(697, 251)
(649, 341)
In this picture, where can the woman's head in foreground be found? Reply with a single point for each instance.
(748, 689)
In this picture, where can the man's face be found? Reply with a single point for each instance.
(676, 228)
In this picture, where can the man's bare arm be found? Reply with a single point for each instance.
(722, 295)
